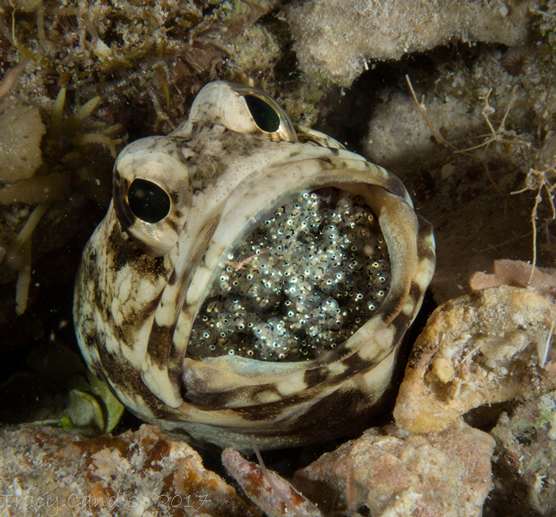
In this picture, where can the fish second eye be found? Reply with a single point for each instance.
(263, 114)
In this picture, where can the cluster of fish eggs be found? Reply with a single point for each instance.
(302, 283)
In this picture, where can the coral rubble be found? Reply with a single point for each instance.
(21, 130)
(490, 346)
(525, 459)
(396, 473)
(137, 473)
(121, 51)
(335, 39)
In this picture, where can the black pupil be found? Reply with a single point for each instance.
(264, 115)
(148, 201)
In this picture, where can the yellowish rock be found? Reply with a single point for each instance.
(488, 347)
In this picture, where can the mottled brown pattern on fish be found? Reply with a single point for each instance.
(142, 283)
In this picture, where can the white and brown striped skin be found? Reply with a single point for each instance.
(141, 285)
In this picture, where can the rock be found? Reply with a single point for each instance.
(334, 39)
(270, 492)
(525, 460)
(399, 134)
(21, 130)
(518, 273)
(45, 471)
(478, 349)
(400, 474)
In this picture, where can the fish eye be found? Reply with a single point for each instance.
(148, 201)
(263, 114)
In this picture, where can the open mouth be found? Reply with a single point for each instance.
(308, 277)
